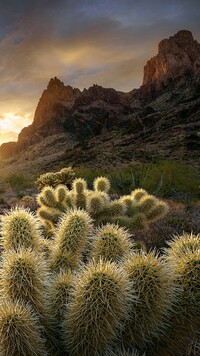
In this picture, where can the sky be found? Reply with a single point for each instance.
(82, 42)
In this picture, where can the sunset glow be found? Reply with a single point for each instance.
(11, 124)
(81, 43)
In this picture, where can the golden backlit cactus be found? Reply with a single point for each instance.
(111, 243)
(51, 216)
(100, 300)
(47, 197)
(137, 194)
(137, 222)
(73, 232)
(23, 278)
(59, 295)
(185, 319)
(20, 331)
(64, 176)
(94, 204)
(20, 229)
(102, 184)
(182, 244)
(62, 261)
(134, 211)
(161, 208)
(61, 192)
(92, 292)
(79, 187)
(154, 287)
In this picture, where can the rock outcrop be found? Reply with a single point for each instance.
(178, 58)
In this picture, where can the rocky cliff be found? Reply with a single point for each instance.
(178, 60)
(163, 115)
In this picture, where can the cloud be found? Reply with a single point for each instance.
(8, 136)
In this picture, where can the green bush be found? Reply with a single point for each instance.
(19, 181)
(167, 179)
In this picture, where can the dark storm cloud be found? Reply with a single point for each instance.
(82, 42)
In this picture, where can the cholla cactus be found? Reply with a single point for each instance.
(73, 232)
(70, 240)
(22, 279)
(100, 300)
(20, 331)
(154, 286)
(180, 245)
(123, 352)
(59, 295)
(64, 176)
(20, 229)
(111, 243)
(91, 292)
(134, 211)
(102, 184)
(79, 186)
(185, 319)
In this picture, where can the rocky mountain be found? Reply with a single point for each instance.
(100, 124)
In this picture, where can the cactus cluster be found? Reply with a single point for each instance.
(134, 211)
(89, 290)
(64, 176)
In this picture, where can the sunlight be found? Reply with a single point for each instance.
(11, 124)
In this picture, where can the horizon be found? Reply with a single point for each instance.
(82, 44)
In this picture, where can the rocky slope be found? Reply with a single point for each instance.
(99, 126)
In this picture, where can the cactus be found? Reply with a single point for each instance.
(111, 243)
(123, 352)
(134, 211)
(59, 290)
(94, 204)
(62, 261)
(22, 279)
(47, 197)
(79, 186)
(61, 194)
(180, 245)
(153, 284)
(137, 194)
(20, 229)
(100, 300)
(64, 176)
(160, 210)
(89, 290)
(20, 331)
(73, 231)
(185, 319)
(49, 216)
(102, 184)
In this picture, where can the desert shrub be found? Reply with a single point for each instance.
(2, 200)
(18, 181)
(168, 179)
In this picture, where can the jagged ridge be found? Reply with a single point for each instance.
(165, 108)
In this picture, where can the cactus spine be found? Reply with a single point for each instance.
(20, 229)
(99, 302)
(20, 331)
(134, 211)
(111, 243)
(22, 279)
(154, 287)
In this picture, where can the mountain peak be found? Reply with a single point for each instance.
(55, 82)
(177, 58)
